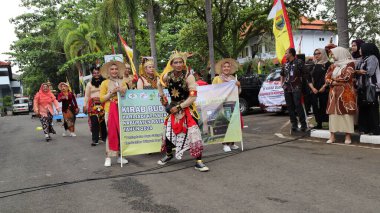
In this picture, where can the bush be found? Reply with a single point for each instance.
(6, 103)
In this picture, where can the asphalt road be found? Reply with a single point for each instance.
(272, 175)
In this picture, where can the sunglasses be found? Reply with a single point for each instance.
(317, 53)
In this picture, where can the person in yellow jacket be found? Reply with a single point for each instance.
(113, 73)
(226, 69)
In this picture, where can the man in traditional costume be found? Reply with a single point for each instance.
(181, 126)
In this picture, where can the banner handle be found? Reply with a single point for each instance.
(118, 109)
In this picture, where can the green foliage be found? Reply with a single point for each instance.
(6, 103)
(363, 18)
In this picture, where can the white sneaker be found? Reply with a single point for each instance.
(72, 134)
(107, 162)
(65, 134)
(234, 147)
(226, 148)
(122, 160)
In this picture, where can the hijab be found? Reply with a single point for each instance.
(324, 58)
(45, 96)
(342, 58)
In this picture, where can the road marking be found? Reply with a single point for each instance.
(285, 124)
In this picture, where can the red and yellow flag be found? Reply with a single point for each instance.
(282, 29)
(129, 53)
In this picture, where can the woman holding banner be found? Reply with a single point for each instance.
(69, 109)
(43, 107)
(148, 75)
(226, 69)
(94, 108)
(181, 128)
(113, 73)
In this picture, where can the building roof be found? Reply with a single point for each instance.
(307, 24)
(3, 63)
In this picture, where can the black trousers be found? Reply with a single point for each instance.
(319, 101)
(170, 146)
(97, 127)
(369, 117)
(293, 102)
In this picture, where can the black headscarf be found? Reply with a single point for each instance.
(369, 49)
(358, 43)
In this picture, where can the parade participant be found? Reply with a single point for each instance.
(226, 69)
(341, 105)
(148, 75)
(113, 73)
(43, 108)
(355, 48)
(69, 109)
(181, 128)
(316, 81)
(94, 107)
(292, 75)
(128, 77)
(368, 109)
(199, 79)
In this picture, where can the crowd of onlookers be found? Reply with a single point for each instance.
(340, 87)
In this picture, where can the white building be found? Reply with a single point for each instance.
(307, 37)
(9, 86)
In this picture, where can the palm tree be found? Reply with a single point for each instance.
(342, 22)
(210, 36)
(110, 15)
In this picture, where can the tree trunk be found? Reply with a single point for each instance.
(152, 32)
(119, 48)
(210, 36)
(133, 37)
(342, 22)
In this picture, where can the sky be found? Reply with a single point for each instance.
(7, 35)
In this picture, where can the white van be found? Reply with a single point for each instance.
(20, 105)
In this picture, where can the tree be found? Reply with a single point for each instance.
(152, 30)
(210, 36)
(363, 18)
(342, 22)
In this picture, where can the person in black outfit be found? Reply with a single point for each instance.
(292, 75)
(368, 111)
(316, 81)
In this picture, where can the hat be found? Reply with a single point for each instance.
(234, 65)
(104, 69)
(61, 84)
(168, 68)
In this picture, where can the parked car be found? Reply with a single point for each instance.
(20, 105)
(250, 87)
(271, 95)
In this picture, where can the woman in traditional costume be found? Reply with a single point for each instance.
(341, 105)
(69, 109)
(94, 107)
(148, 75)
(113, 73)
(181, 127)
(43, 107)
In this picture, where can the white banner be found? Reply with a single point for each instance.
(271, 96)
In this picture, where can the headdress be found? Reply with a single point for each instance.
(104, 69)
(169, 68)
(61, 84)
(234, 65)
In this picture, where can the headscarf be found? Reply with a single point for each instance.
(358, 43)
(342, 58)
(324, 58)
(43, 96)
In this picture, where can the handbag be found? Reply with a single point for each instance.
(370, 91)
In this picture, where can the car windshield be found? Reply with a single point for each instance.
(274, 76)
(21, 101)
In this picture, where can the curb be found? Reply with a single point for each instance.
(325, 134)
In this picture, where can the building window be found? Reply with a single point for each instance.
(321, 39)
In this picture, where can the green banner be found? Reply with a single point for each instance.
(142, 118)
(141, 122)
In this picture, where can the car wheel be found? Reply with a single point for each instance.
(243, 106)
